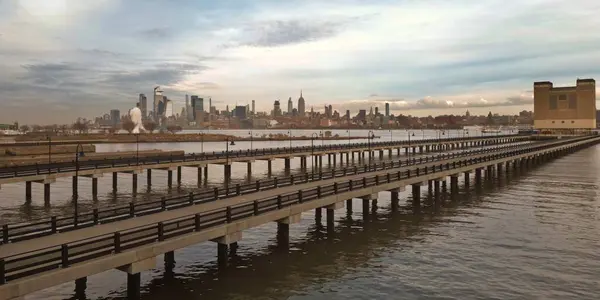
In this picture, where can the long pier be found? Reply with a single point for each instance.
(132, 244)
(47, 174)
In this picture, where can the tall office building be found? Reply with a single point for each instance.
(330, 110)
(253, 107)
(276, 109)
(301, 105)
(168, 108)
(143, 106)
(158, 98)
(290, 106)
(387, 109)
(376, 111)
(198, 108)
(115, 117)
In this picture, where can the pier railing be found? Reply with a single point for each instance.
(62, 256)
(82, 165)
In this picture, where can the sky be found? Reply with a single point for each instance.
(61, 59)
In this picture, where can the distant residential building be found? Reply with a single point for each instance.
(572, 107)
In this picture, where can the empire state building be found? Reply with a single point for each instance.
(301, 105)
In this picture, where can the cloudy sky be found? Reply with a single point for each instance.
(66, 58)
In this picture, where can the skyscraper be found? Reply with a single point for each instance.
(376, 111)
(197, 107)
(290, 106)
(301, 105)
(115, 117)
(158, 97)
(387, 109)
(276, 109)
(253, 107)
(143, 106)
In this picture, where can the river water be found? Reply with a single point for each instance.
(531, 235)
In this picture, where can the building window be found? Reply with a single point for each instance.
(553, 102)
(573, 101)
(562, 97)
(572, 122)
(552, 122)
(563, 122)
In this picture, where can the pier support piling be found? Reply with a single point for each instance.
(114, 182)
(94, 187)
(28, 191)
(179, 176)
(134, 181)
(170, 178)
(133, 286)
(46, 193)
(80, 287)
(149, 178)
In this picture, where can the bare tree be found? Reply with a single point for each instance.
(24, 128)
(174, 128)
(150, 126)
(127, 124)
(80, 126)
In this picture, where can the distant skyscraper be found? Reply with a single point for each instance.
(198, 108)
(301, 105)
(376, 111)
(115, 117)
(240, 112)
(290, 106)
(143, 106)
(276, 109)
(387, 109)
(168, 108)
(158, 98)
(253, 107)
(330, 111)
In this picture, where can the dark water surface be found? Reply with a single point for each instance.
(531, 235)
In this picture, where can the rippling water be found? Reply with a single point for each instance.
(533, 235)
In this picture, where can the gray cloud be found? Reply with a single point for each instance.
(161, 74)
(287, 32)
(156, 33)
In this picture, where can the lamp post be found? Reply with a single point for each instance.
(409, 134)
(348, 131)
(202, 142)
(322, 138)
(49, 138)
(422, 134)
(370, 135)
(312, 151)
(391, 135)
(250, 133)
(78, 153)
(290, 136)
(137, 149)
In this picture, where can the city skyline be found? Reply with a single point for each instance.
(423, 58)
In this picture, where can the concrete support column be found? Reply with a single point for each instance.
(478, 176)
(222, 253)
(499, 169)
(348, 157)
(249, 168)
(390, 153)
(269, 167)
(334, 159)
(454, 184)
(133, 286)
(80, 287)
(134, 183)
(467, 179)
(206, 173)
(318, 215)
(341, 159)
(330, 219)
(94, 187)
(169, 178)
(416, 194)
(28, 190)
(320, 162)
(169, 260)
(75, 187)
(149, 178)
(365, 206)
(349, 206)
(179, 175)
(329, 158)
(199, 176)
(283, 234)
(436, 189)
(287, 163)
(46, 193)
(114, 182)
(395, 196)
